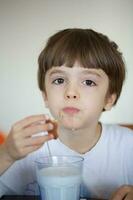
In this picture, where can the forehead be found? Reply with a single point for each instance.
(77, 69)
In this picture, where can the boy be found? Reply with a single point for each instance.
(81, 73)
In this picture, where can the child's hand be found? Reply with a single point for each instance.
(123, 193)
(20, 142)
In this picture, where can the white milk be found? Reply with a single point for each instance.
(59, 183)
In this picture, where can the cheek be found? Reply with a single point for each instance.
(53, 98)
(95, 102)
(53, 104)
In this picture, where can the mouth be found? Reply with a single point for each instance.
(70, 110)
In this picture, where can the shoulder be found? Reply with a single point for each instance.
(118, 141)
(117, 129)
(117, 133)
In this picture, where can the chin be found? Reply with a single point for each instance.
(71, 123)
(71, 126)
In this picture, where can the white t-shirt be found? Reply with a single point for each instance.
(107, 166)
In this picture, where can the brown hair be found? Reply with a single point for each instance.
(88, 47)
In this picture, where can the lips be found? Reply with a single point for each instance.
(71, 110)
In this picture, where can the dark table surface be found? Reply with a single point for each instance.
(23, 197)
(19, 197)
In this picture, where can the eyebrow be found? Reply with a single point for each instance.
(85, 72)
(91, 72)
(56, 71)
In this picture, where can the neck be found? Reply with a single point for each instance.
(81, 140)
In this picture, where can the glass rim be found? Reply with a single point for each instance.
(40, 161)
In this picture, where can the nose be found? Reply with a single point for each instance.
(72, 92)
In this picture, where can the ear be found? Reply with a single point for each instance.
(44, 95)
(109, 102)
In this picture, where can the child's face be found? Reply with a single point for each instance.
(76, 96)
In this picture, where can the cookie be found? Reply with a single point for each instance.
(54, 130)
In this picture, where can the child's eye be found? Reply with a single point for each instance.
(58, 81)
(89, 83)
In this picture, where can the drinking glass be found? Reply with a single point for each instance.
(59, 177)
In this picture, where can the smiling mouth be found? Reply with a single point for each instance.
(70, 110)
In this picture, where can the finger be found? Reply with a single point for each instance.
(121, 193)
(129, 196)
(25, 151)
(30, 149)
(37, 141)
(28, 121)
(33, 130)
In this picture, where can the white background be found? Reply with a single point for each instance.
(25, 26)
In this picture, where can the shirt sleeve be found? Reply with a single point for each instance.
(5, 190)
(129, 158)
(16, 178)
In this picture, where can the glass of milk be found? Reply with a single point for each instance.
(59, 177)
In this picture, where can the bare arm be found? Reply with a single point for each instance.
(20, 142)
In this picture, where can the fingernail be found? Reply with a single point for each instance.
(46, 116)
(50, 126)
